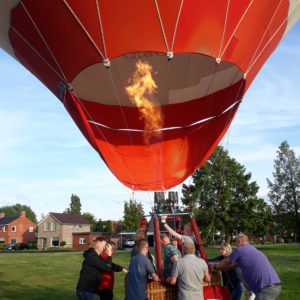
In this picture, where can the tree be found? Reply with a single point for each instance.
(14, 210)
(225, 198)
(91, 219)
(133, 212)
(75, 206)
(284, 191)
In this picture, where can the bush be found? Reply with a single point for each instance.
(268, 242)
(62, 243)
(32, 244)
(280, 240)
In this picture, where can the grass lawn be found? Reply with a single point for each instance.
(54, 275)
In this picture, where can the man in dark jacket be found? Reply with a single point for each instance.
(92, 268)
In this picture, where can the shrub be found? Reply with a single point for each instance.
(280, 240)
(62, 243)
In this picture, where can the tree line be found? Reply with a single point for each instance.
(224, 199)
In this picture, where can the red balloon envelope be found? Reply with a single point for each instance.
(204, 55)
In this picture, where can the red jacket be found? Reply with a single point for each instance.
(108, 277)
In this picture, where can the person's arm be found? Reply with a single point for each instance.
(174, 259)
(206, 277)
(100, 264)
(175, 270)
(155, 277)
(225, 265)
(169, 229)
(172, 280)
(116, 267)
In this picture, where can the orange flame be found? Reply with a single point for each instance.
(140, 92)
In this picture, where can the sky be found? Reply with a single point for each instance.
(44, 158)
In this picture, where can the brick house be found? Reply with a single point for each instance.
(56, 228)
(16, 229)
(82, 240)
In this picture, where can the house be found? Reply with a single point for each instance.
(56, 228)
(16, 229)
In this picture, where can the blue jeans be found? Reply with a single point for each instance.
(269, 293)
(85, 295)
(237, 292)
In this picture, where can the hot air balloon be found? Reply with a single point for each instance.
(202, 56)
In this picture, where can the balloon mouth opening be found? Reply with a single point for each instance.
(147, 85)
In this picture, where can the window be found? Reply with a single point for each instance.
(4, 228)
(80, 226)
(46, 226)
(82, 241)
(13, 241)
(13, 228)
(30, 229)
(53, 226)
(55, 241)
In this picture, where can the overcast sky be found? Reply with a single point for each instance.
(44, 157)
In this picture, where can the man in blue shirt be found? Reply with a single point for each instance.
(139, 269)
(257, 271)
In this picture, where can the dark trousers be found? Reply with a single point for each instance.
(81, 295)
(106, 294)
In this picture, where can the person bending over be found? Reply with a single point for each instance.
(257, 271)
(231, 278)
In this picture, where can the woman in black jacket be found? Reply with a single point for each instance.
(92, 268)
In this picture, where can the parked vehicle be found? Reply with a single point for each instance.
(17, 246)
(128, 243)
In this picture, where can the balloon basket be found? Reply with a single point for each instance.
(161, 291)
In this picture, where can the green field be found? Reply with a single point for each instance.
(54, 275)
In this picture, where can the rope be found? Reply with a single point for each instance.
(101, 28)
(176, 25)
(84, 29)
(272, 18)
(43, 39)
(162, 26)
(224, 30)
(36, 51)
(238, 24)
(272, 37)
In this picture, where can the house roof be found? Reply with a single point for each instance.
(7, 220)
(69, 218)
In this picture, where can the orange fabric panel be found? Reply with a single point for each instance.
(167, 161)
(251, 30)
(132, 27)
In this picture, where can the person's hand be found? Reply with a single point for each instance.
(108, 249)
(125, 270)
(163, 219)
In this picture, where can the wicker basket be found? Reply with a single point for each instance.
(216, 278)
(161, 291)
